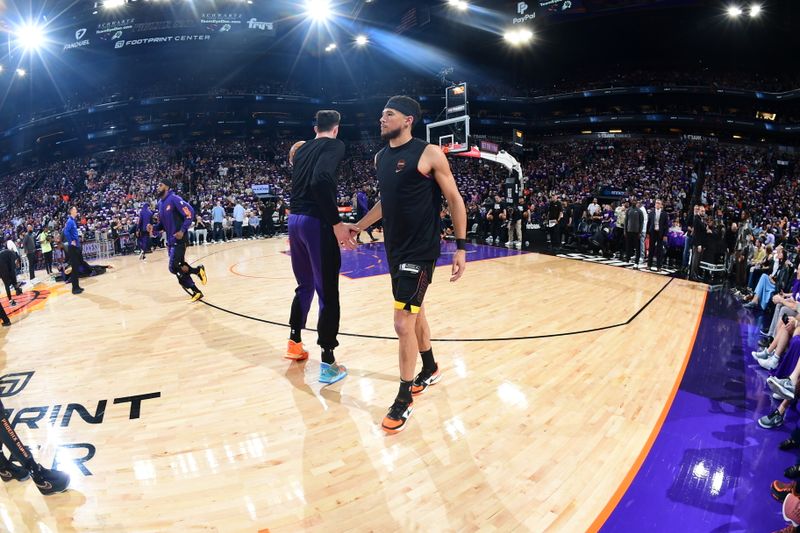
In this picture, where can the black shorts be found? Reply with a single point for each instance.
(410, 281)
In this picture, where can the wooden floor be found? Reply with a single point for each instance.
(533, 434)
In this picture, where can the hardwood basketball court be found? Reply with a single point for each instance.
(189, 418)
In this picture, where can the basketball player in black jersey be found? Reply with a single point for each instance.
(413, 175)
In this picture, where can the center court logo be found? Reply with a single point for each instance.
(522, 7)
(12, 384)
(68, 414)
(80, 33)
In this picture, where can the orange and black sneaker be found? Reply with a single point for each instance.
(781, 490)
(425, 379)
(296, 352)
(398, 415)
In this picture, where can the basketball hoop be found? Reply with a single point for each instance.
(452, 147)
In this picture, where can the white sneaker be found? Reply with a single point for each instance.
(761, 354)
(782, 387)
(770, 363)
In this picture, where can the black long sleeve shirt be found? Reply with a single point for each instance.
(314, 179)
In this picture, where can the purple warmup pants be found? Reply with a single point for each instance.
(144, 243)
(177, 258)
(316, 261)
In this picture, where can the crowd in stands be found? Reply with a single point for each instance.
(560, 194)
(83, 97)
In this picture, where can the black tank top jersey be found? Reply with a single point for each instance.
(410, 203)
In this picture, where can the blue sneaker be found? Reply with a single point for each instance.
(331, 373)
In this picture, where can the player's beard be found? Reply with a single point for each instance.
(393, 134)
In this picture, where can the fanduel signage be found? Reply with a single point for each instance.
(79, 40)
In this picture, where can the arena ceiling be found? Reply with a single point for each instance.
(94, 45)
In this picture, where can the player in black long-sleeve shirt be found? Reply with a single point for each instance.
(315, 234)
(20, 464)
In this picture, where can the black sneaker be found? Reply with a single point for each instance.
(399, 413)
(772, 420)
(425, 379)
(10, 471)
(50, 481)
(6, 323)
(781, 490)
(197, 294)
(77, 291)
(789, 444)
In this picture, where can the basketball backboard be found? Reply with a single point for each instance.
(452, 135)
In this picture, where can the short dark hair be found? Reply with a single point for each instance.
(327, 119)
(407, 106)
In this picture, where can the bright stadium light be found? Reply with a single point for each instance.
(461, 5)
(21, 72)
(1, 68)
(318, 10)
(362, 40)
(755, 10)
(331, 47)
(734, 11)
(30, 36)
(518, 37)
(113, 4)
